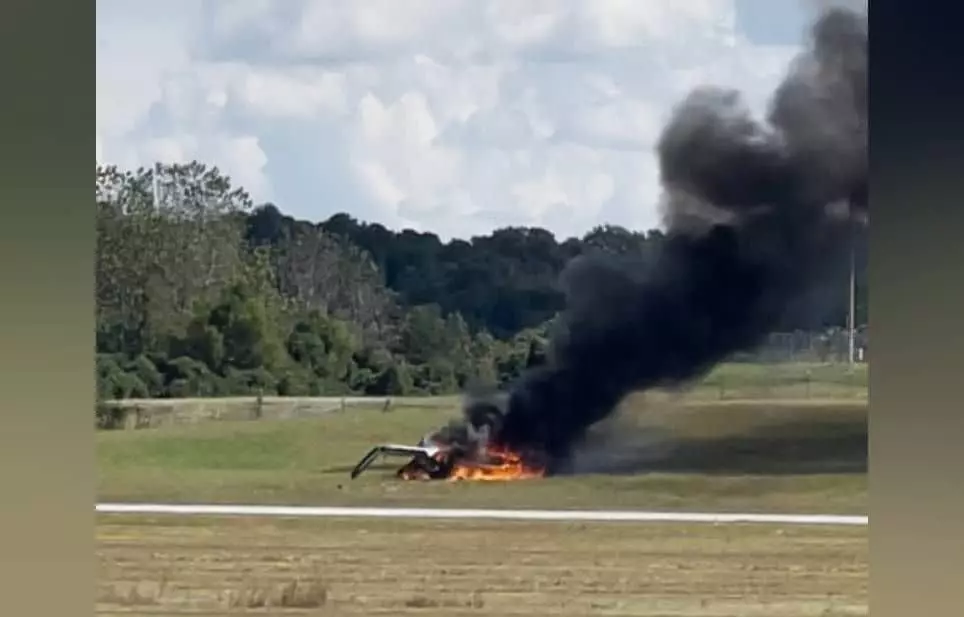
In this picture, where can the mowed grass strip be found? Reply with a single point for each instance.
(773, 456)
(390, 567)
(790, 380)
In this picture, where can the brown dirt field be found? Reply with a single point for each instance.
(177, 566)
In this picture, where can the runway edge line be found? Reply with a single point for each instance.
(501, 514)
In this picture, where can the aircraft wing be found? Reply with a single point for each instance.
(390, 450)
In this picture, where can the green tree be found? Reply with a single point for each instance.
(396, 380)
(167, 239)
(323, 345)
(198, 293)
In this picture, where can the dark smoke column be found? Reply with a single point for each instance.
(753, 216)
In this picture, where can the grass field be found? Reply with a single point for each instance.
(767, 456)
(434, 569)
(792, 380)
(693, 452)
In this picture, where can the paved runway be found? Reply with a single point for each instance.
(501, 514)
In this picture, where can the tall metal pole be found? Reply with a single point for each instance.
(156, 183)
(851, 313)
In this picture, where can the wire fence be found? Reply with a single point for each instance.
(829, 346)
(793, 365)
(789, 366)
(783, 381)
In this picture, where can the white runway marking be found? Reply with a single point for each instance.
(444, 513)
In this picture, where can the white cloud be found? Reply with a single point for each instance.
(455, 116)
(299, 92)
(134, 60)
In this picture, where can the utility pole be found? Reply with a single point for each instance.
(851, 313)
(155, 181)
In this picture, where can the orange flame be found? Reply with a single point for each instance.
(492, 464)
(501, 465)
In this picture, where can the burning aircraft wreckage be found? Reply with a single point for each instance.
(461, 451)
(757, 215)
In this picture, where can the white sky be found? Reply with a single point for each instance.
(455, 116)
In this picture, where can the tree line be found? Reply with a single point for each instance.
(199, 292)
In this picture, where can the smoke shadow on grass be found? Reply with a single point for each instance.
(791, 447)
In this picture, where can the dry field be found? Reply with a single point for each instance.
(176, 566)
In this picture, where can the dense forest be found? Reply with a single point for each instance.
(200, 292)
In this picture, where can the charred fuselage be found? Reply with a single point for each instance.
(458, 451)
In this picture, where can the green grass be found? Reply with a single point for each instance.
(818, 371)
(796, 380)
(762, 455)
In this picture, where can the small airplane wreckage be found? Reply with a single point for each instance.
(426, 459)
(458, 451)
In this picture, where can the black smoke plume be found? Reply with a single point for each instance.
(755, 212)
